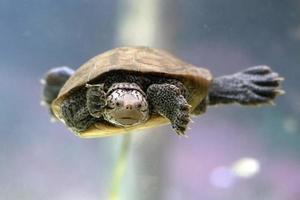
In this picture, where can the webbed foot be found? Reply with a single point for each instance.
(260, 84)
(167, 100)
(253, 86)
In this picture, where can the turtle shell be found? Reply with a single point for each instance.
(140, 60)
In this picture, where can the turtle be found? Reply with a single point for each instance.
(133, 88)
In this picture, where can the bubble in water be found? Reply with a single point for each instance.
(246, 167)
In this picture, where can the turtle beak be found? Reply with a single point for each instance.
(130, 113)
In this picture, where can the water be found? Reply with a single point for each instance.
(43, 160)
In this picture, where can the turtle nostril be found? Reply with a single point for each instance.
(129, 107)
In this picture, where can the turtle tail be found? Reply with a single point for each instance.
(52, 83)
(253, 86)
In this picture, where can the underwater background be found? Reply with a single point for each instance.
(231, 153)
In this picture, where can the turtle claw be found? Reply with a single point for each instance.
(280, 92)
(261, 85)
(268, 79)
(261, 69)
(182, 118)
(272, 103)
(43, 103)
(95, 99)
(279, 79)
(53, 119)
(43, 81)
(253, 86)
(167, 100)
(192, 121)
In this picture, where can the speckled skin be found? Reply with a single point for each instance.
(76, 113)
(253, 86)
(95, 99)
(167, 97)
(167, 100)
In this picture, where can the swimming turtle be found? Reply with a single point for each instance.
(132, 88)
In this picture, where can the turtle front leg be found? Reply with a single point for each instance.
(253, 86)
(95, 99)
(76, 114)
(167, 100)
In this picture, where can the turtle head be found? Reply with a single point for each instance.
(126, 105)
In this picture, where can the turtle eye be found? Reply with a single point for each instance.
(139, 105)
(111, 105)
(119, 104)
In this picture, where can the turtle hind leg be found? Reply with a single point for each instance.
(253, 86)
(53, 82)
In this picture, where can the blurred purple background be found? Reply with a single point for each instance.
(43, 160)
